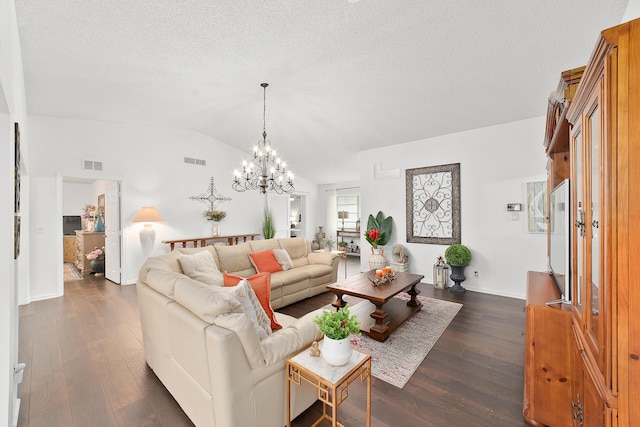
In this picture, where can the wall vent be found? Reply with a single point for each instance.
(193, 161)
(91, 165)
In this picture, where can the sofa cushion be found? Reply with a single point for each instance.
(201, 266)
(297, 249)
(265, 261)
(243, 292)
(283, 258)
(163, 281)
(261, 285)
(235, 259)
(206, 302)
(291, 276)
(316, 270)
(263, 245)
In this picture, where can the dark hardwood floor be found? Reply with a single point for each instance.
(86, 367)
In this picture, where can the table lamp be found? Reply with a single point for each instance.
(342, 215)
(147, 215)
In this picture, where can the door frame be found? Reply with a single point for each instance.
(60, 178)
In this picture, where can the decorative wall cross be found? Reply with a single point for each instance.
(212, 197)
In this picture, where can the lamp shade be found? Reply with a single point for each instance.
(148, 214)
(343, 214)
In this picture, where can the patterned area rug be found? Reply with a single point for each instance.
(396, 359)
(71, 272)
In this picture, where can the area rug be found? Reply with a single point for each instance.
(71, 272)
(396, 359)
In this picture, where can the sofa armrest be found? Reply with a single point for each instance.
(277, 346)
(321, 257)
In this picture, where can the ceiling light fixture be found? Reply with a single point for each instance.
(265, 171)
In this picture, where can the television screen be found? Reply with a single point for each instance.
(71, 223)
(559, 238)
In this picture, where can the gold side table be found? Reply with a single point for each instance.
(332, 382)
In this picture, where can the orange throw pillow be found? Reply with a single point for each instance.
(265, 261)
(261, 285)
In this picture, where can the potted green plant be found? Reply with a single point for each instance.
(378, 234)
(336, 327)
(328, 244)
(216, 217)
(342, 245)
(458, 257)
(268, 225)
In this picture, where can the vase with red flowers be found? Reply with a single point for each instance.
(378, 234)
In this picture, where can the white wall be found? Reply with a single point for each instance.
(149, 162)
(632, 11)
(495, 164)
(76, 196)
(12, 101)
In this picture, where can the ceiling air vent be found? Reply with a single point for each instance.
(192, 161)
(91, 165)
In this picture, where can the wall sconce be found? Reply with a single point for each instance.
(148, 214)
(343, 215)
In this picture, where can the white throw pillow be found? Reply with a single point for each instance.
(247, 297)
(201, 266)
(283, 258)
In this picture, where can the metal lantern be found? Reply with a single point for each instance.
(440, 274)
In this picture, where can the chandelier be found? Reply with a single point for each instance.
(265, 171)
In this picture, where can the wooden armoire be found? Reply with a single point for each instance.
(603, 370)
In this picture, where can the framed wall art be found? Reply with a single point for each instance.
(18, 160)
(536, 207)
(433, 204)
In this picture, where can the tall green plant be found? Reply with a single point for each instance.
(382, 225)
(268, 225)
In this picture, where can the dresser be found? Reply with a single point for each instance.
(86, 241)
(69, 249)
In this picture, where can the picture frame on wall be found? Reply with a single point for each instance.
(433, 204)
(17, 162)
(16, 236)
(536, 207)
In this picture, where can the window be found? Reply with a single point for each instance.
(351, 205)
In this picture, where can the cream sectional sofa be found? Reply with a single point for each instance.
(204, 347)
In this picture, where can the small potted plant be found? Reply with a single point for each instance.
(216, 217)
(458, 257)
(328, 244)
(342, 246)
(268, 225)
(336, 327)
(378, 234)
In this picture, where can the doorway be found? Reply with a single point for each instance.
(79, 196)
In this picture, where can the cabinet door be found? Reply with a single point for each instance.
(588, 275)
(594, 319)
(578, 217)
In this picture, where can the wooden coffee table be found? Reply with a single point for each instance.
(378, 322)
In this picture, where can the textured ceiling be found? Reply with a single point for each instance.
(343, 76)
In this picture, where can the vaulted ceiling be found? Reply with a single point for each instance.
(344, 75)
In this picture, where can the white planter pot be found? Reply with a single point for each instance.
(336, 352)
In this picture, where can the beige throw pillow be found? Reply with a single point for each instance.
(200, 266)
(283, 258)
(243, 293)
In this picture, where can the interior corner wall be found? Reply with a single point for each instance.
(495, 164)
(149, 161)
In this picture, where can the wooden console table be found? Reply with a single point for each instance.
(230, 240)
